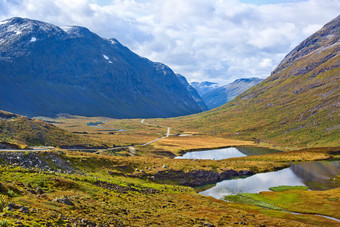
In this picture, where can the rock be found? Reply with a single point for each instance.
(40, 191)
(12, 206)
(24, 209)
(64, 200)
(32, 191)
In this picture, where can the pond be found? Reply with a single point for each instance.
(316, 175)
(95, 124)
(224, 153)
(98, 123)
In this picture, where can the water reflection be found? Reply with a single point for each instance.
(316, 175)
(230, 152)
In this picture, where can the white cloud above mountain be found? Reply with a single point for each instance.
(214, 40)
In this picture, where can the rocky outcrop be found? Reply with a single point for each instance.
(64, 200)
(47, 161)
(197, 178)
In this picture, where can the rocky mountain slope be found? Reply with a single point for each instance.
(46, 70)
(226, 93)
(204, 87)
(198, 99)
(18, 131)
(297, 105)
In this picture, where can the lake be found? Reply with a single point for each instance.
(315, 175)
(224, 153)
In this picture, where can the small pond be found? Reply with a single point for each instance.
(315, 175)
(95, 124)
(98, 123)
(230, 152)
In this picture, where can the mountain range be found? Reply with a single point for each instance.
(297, 105)
(46, 70)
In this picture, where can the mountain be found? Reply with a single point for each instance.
(226, 93)
(46, 70)
(192, 91)
(297, 105)
(204, 87)
(18, 131)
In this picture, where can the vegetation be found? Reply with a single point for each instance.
(286, 187)
(116, 191)
(300, 201)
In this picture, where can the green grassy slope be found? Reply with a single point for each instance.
(298, 105)
(20, 130)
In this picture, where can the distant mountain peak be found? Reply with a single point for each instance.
(204, 87)
(221, 95)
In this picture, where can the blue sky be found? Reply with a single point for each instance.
(214, 40)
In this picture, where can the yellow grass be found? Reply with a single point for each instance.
(176, 144)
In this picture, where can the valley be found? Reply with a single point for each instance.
(152, 177)
(140, 151)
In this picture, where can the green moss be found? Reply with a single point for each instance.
(250, 198)
(286, 187)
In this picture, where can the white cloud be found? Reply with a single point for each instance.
(213, 40)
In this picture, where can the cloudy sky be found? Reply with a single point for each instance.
(214, 40)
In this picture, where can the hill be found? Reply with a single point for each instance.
(46, 70)
(18, 131)
(226, 93)
(297, 105)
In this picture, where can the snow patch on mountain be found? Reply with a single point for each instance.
(4, 22)
(66, 28)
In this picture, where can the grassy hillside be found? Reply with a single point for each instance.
(298, 105)
(20, 130)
